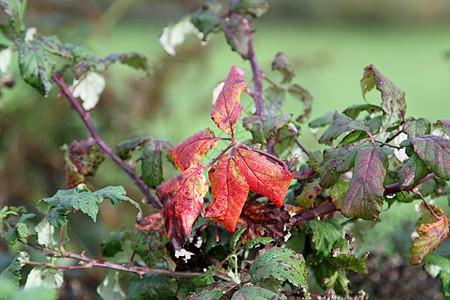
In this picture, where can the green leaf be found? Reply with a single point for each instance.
(53, 45)
(281, 264)
(350, 262)
(434, 151)
(149, 247)
(338, 192)
(335, 162)
(322, 121)
(436, 263)
(352, 138)
(254, 8)
(339, 282)
(235, 238)
(393, 98)
(340, 124)
(237, 34)
(255, 293)
(46, 234)
(16, 10)
(354, 110)
(310, 192)
(44, 277)
(151, 161)
(214, 291)
(302, 94)
(263, 128)
(36, 293)
(261, 240)
(110, 288)
(123, 150)
(364, 198)
(11, 274)
(417, 127)
(208, 19)
(412, 171)
(115, 194)
(444, 125)
(152, 287)
(35, 65)
(325, 235)
(282, 64)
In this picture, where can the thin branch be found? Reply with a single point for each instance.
(313, 213)
(301, 146)
(85, 116)
(418, 193)
(397, 188)
(388, 145)
(257, 93)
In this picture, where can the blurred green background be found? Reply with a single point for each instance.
(328, 43)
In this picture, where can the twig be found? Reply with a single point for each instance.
(85, 116)
(313, 213)
(397, 188)
(301, 146)
(418, 193)
(257, 93)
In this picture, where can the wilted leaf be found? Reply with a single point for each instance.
(88, 88)
(354, 110)
(273, 101)
(16, 10)
(426, 215)
(237, 34)
(262, 240)
(193, 149)
(182, 199)
(254, 8)
(208, 19)
(11, 273)
(417, 127)
(282, 64)
(81, 159)
(434, 151)
(228, 109)
(263, 220)
(110, 287)
(124, 148)
(256, 293)
(350, 262)
(364, 198)
(431, 235)
(153, 223)
(309, 194)
(444, 125)
(281, 264)
(263, 176)
(325, 235)
(263, 128)
(44, 277)
(412, 171)
(335, 162)
(229, 190)
(305, 97)
(340, 124)
(393, 98)
(174, 34)
(236, 237)
(151, 161)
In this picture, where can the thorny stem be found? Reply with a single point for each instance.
(85, 116)
(92, 262)
(257, 93)
(313, 213)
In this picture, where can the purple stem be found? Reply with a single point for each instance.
(85, 116)
(257, 78)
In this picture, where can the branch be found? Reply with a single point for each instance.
(397, 188)
(313, 213)
(85, 116)
(92, 262)
(257, 79)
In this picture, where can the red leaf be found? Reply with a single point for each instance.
(229, 191)
(263, 176)
(182, 199)
(192, 150)
(228, 108)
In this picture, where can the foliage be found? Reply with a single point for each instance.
(234, 228)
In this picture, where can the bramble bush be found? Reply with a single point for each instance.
(257, 221)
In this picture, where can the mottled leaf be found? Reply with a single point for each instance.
(350, 262)
(431, 235)
(444, 125)
(214, 291)
(325, 235)
(153, 223)
(434, 151)
(309, 194)
(229, 190)
(426, 215)
(53, 45)
(193, 149)
(263, 128)
(254, 8)
(412, 171)
(364, 198)
(302, 94)
(256, 293)
(150, 247)
(282, 64)
(228, 109)
(81, 159)
(115, 194)
(413, 127)
(263, 220)
(393, 98)
(338, 192)
(182, 199)
(35, 65)
(340, 124)
(16, 10)
(281, 264)
(263, 176)
(123, 150)
(335, 162)
(236, 29)
(151, 161)
(208, 19)
(149, 286)
(354, 110)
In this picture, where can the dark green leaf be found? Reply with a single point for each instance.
(434, 151)
(281, 264)
(310, 192)
(237, 34)
(254, 8)
(261, 240)
(354, 110)
(417, 127)
(113, 244)
(235, 238)
(282, 64)
(11, 274)
(353, 137)
(335, 162)
(35, 65)
(393, 98)
(325, 235)
(302, 94)
(256, 293)
(412, 171)
(149, 247)
(214, 291)
(115, 194)
(364, 198)
(123, 149)
(208, 19)
(340, 124)
(152, 287)
(322, 121)
(350, 262)
(16, 10)
(151, 161)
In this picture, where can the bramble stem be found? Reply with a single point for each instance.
(257, 93)
(85, 116)
(313, 213)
